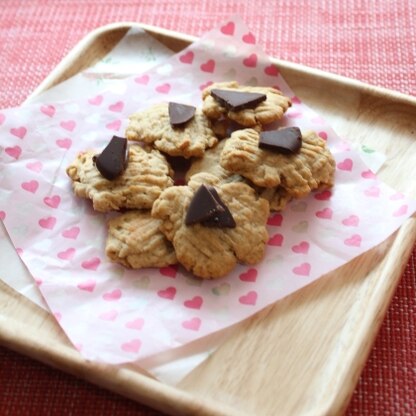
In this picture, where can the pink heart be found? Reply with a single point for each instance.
(116, 107)
(325, 214)
(2, 215)
(2, 118)
(136, 324)
(19, 251)
(71, 233)
(249, 299)
(302, 247)
(368, 174)
(208, 66)
(396, 196)
(163, 88)
(132, 346)
(346, 164)
(302, 270)
(168, 293)
(19, 132)
(68, 125)
(13, 152)
(88, 285)
(323, 196)
(249, 276)
(144, 79)
(64, 143)
(401, 211)
(206, 85)
(48, 110)
(271, 70)
(295, 100)
(187, 58)
(276, 240)
(57, 315)
(194, 303)
(68, 254)
(194, 324)
(169, 271)
(91, 264)
(354, 241)
(113, 295)
(323, 135)
(31, 186)
(52, 201)
(228, 29)
(35, 166)
(294, 114)
(351, 221)
(47, 223)
(275, 219)
(373, 191)
(250, 61)
(249, 38)
(109, 316)
(114, 125)
(97, 100)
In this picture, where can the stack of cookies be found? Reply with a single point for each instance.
(239, 171)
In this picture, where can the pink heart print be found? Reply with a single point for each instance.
(135, 324)
(302, 270)
(163, 88)
(249, 38)
(249, 276)
(31, 186)
(368, 174)
(2, 118)
(109, 316)
(373, 191)
(64, 143)
(250, 61)
(71, 233)
(168, 293)
(302, 247)
(228, 29)
(352, 221)
(68, 125)
(169, 271)
(132, 346)
(346, 164)
(35, 166)
(401, 211)
(249, 299)
(275, 219)
(206, 85)
(2, 215)
(13, 152)
(91, 264)
(114, 125)
(97, 100)
(47, 223)
(52, 201)
(323, 135)
(193, 324)
(208, 66)
(271, 70)
(194, 303)
(67, 254)
(276, 240)
(113, 295)
(187, 58)
(88, 285)
(117, 107)
(353, 241)
(323, 196)
(48, 110)
(19, 132)
(325, 213)
(144, 79)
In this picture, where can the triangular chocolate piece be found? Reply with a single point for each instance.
(203, 206)
(180, 114)
(221, 219)
(287, 140)
(112, 161)
(237, 100)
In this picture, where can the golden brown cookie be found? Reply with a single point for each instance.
(134, 240)
(147, 174)
(266, 112)
(211, 252)
(299, 173)
(153, 126)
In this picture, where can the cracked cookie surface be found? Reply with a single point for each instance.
(211, 252)
(147, 174)
(272, 109)
(135, 241)
(153, 126)
(311, 168)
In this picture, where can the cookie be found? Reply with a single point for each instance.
(153, 126)
(211, 252)
(147, 174)
(299, 173)
(134, 240)
(265, 112)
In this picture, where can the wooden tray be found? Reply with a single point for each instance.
(301, 356)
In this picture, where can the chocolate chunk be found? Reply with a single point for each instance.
(237, 100)
(286, 141)
(180, 114)
(208, 209)
(113, 159)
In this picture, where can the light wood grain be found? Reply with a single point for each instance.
(303, 355)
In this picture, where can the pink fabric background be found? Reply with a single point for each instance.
(373, 41)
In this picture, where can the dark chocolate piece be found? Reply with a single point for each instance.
(180, 114)
(237, 100)
(208, 209)
(112, 161)
(287, 140)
